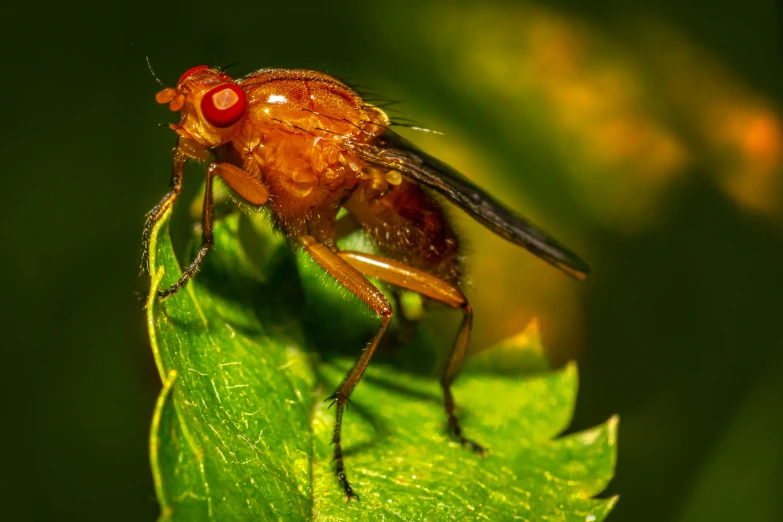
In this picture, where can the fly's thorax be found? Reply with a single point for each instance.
(312, 103)
(300, 163)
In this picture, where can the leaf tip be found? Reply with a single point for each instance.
(529, 337)
(153, 244)
(612, 426)
(571, 371)
(520, 354)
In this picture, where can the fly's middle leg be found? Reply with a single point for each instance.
(352, 279)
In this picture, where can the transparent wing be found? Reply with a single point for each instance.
(395, 152)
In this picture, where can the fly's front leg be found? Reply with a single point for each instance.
(225, 170)
(207, 239)
(353, 280)
(404, 276)
(154, 215)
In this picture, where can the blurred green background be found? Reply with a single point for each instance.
(648, 136)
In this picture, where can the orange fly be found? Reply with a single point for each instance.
(306, 145)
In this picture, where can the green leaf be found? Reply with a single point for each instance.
(241, 430)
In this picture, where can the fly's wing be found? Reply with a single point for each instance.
(394, 152)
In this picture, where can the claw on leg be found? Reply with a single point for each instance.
(456, 431)
(339, 468)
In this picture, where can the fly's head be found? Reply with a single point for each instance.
(211, 103)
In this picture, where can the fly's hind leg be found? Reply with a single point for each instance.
(452, 368)
(404, 276)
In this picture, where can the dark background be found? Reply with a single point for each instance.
(648, 135)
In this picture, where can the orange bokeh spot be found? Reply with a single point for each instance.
(762, 138)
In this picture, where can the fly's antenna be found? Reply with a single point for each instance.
(225, 68)
(149, 66)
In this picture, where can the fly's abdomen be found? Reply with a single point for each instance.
(408, 225)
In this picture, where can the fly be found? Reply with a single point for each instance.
(306, 145)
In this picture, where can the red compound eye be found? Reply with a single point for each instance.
(189, 72)
(224, 105)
